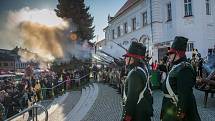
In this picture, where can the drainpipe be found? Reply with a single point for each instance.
(151, 20)
(152, 36)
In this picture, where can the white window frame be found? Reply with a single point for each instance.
(188, 8)
(113, 34)
(208, 7)
(125, 26)
(118, 31)
(134, 23)
(169, 11)
(144, 16)
(190, 46)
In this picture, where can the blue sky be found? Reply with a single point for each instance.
(98, 8)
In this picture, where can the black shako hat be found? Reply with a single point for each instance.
(179, 45)
(136, 50)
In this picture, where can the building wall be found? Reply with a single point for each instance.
(13, 65)
(7, 65)
(10, 61)
(137, 12)
(21, 65)
(199, 28)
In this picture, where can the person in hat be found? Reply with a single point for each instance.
(179, 103)
(37, 88)
(137, 93)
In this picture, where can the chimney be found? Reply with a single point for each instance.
(109, 17)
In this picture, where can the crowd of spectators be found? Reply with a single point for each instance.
(18, 95)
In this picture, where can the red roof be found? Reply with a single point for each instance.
(127, 5)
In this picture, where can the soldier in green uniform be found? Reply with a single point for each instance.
(137, 93)
(179, 103)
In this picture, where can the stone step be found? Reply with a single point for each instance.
(84, 95)
(51, 108)
(83, 98)
(66, 106)
(84, 105)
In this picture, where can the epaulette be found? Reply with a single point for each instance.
(187, 65)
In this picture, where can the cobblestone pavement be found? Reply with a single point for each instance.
(66, 106)
(107, 106)
(206, 114)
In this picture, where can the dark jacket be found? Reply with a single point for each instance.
(182, 80)
(143, 110)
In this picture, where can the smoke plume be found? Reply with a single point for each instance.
(42, 40)
(40, 31)
(43, 34)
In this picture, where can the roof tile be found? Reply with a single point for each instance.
(128, 4)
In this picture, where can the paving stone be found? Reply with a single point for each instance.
(84, 105)
(66, 106)
(107, 106)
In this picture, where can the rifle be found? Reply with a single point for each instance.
(117, 61)
(107, 54)
(104, 58)
(119, 45)
(101, 60)
(100, 63)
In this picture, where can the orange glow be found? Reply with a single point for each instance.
(73, 36)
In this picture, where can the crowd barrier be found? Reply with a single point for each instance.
(62, 87)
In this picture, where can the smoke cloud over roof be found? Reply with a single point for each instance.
(41, 32)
